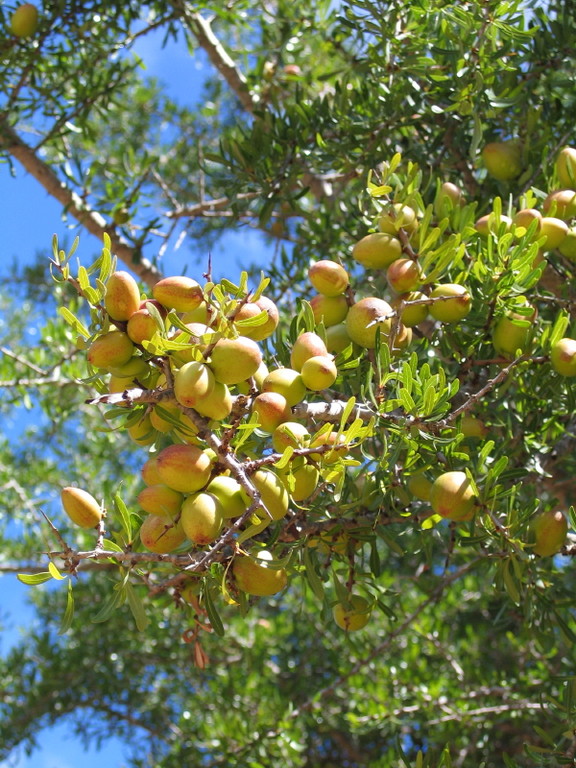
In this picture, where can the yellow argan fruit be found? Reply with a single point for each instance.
(254, 576)
(204, 313)
(141, 326)
(448, 197)
(361, 322)
(252, 309)
(354, 617)
(235, 360)
(149, 472)
(184, 468)
(290, 434)
(306, 345)
(272, 492)
(110, 350)
(554, 230)
(234, 501)
(202, 518)
(566, 167)
(419, 486)
(160, 500)
(548, 532)
(161, 534)
(397, 217)
(404, 275)
(328, 277)
(301, 482)
(452, 496)
(287, 382)
(563, 357)
(338, 451)
(122, 297)
(319, 373)
(81, 507)
(514, 331)
(180, 293)
(453, 309)
(191, 591)
(142, 432)
(337, 338)
(471, 426)
(24, 20)
(524, 218)
(503, 159)
(412, 314)
(159, 414)
(329, 310)
(492, 224)
(568, 246)
(217, 405)
(193, 382)
(271, 409)
(135, 368)
(561, 203)
(377, 250)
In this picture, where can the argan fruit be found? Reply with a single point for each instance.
(110, 350)
(471, 426)
(493, 224)
(235, 360)
(548, 531)
(135, 368)
(453, 309)
(561, 203)
(202, 518)
(337, 338)
(338, 447)
(566, 167)
(307, 345)
(122, 297)
(514, 331)
(563, 357)
(185, 468)
(503, 159)
(149, 472)
(452, 496)
(568, 246)
(361, 323)
(233, 499)
(180, 293)
(448, 197)
(301, 481)
(81, 507)
(554, 230)
(192, 382)
(24, 20)
(419, 486)
(524, 218)
(160, 500)
(254, 576)
(217, 405)
(289, 434)
(271, 409)
(251, 309)
(412, 314)
(354, 618)
(141, 326)
(161, 534)
(377, 250)
(159, 417)
(328, 277)
(319, 372)
(142, 432)
(287, 382)
(204, 313)
(272, 492)
(404, 275)
(329, 310)
(398, 217)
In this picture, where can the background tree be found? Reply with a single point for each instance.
(468, 654)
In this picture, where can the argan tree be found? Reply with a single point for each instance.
(317, 514)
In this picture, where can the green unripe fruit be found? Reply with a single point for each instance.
(568, 246)
(271, 409)
(319, 373)
(554, 230)
(452, 496)
(307, 345)
(453, 309)
(419, 486)
(272, 492)
(302, 481)
(337, 338)
(202, 518)
(81, 507)
(235, 360)
(217, 405)
(449, 196)
(233, 499)
(524, 218)
(329, 310)
(353, 618)
(328, 277)
(161, 534)
(472, 426)
(413, 314)
(180, 293)
(135, 368)
(398, 217)
(548, 532)
(111, 350)
(289, 434)
(377, 250)
(185, 468)
(361, 323)
(122, 297)
(566, 167)
(24, 20)
(193, 382)
(492, 224)
(503, 159)
(514, 331)
(142, 431)
(561, 203)
(286, 382)
(255, 577)
(563, 357)
(160, 500)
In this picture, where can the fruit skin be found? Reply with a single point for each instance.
(329, 310)
(398, 217)
(301, 482)
(568, 246)
(253, 576)
(492, 224)
(508, 336)
(404, 275)
(563, 201)
(419, 486)
(452, 496)
(180, 293)
(287, 382)
(290, 434)
(503, 159)
(110, 350)
(24, 20)
(217, 405)
(149, 472)
(524, 218)
(563, 357)
(566, 167)
(202, 518)
(554, 230)
(161, 534)
(354, 618)
(233, 499)
(362, 314)
(337, 338)
(319, 372)
(160, 500)
(454, 309)
(142, 431)
(307, 345)
(328, 277)
(414, 314)
(184, 468)
(81, 507)
(449, 196)
(193, 382)
(141, 325)
(548, 532)
(235, 360)
(377, 250)
(251, 309)
(472, 426)
(272, 492)
(122, 297)
(271, 409)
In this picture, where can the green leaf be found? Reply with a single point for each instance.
(32, 579)
(69, 612)
(72, 320)
(311, 574)
(112, 602)
(213, 615)
(137, 607)
(54, 572)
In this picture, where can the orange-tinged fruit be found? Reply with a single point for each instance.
(548, 532)
(81, 507)
(287, 382)
(367, 318)
(253, 309)
(272, 492)
(122, 297)
(566, 167)
(202, 518)
(180, 293)
(452, 496)
(235, 360)
(307, 345)
(454, 308)
(110, 350)
(328, 277)
(319, 373)
(149, 472)
(563, 357)
(524, 218)
(404, 275)
(161, 534)
(561, 203)
(192, 382)
(185, 468)
(254, 576)
(352, 618)
(160, 500)
(24, 20)
(377, 250)
(271, 409)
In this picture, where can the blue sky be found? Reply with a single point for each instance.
(30, 218)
